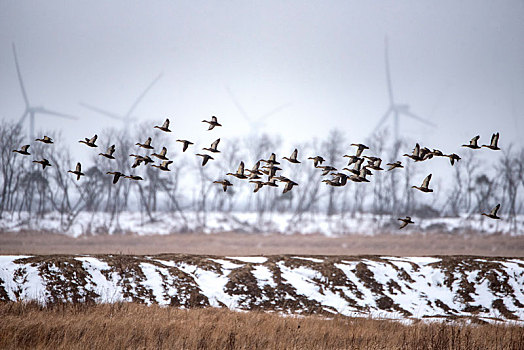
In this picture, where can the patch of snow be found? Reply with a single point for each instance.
(309, 259)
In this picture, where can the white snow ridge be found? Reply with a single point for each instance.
(488, 289)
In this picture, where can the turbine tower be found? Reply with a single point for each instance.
(31, 110)
(125, 118)
(396, 109)
(257, 124)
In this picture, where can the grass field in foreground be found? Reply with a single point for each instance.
(137, 326)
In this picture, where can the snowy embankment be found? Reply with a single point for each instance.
(251, 222)
(389, 287)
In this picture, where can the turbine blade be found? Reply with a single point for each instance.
(382, 120)
(24, 94)
(56, 114)
(142, 95)
(238, 106)
(420, 119)
(388, 73)
(101, 111)
(270, 113)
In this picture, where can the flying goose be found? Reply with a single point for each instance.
(473, 143)
(205, 157)
(494, 142)
(437, 153)
(271, 182)
(397, 164)
(78, 171)
(317, 160)
(360, 148)
(293, 158)
(23, 150)
(271, 171)
(133, 177)
(341, 178)
(356, 167)
(258, 185)
(240, 172)
(374, 163)
(163, 166)
(289, 186)
(352, 159)
(162, 154)
(186, 144)
(224, 184)
(212, 123)
(425, 185)
(116, 175)
(139, 159)
(416, 153)
(326, 169)
(90, 142)
(254, 171)
(453, 158)
(405, 222)
(213, 147)
(164, 127)
(45, 139)
(272, 160)
(109, 152)
(493, 213)
(334, 182)
(146, 145)
(44, 162)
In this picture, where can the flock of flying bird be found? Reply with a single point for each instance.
(270, 169)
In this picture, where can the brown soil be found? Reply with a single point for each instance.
(258, 244)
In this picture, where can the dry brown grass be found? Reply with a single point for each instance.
(137, 326)
(251, 244)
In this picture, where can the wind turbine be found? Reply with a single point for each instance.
(396, 109)
(125, 118)
(31, 110)
(258, 123)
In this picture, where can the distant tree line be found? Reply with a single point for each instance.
(27, 188)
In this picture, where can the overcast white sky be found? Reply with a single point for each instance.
(458, 63)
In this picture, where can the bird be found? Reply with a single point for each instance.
(78, 171)
(397, 164)
(272, 160)
(139, 159)
(163, 166)
(186, 144)
(109, 152)
(205, 157)
(374, 163)
(453, 158)
(162, 154)
(293, 158)
(133, 177)
(334, 182)
(437, 153)
(44, 162)
(213, 147)
(494, 142)
(360, 148)
(289, 186)
(326, 169)
(341, 178)
(473, 143)
(271, 170)
(90, 142)
(146, 145)
(356, 167)
(317, 160)
(255, 172)
(45, 139)
(225, 183)
(240, 172)
(271, 182)
(405, 222)
(425, 185)
(416, 153)
(493, 213)
(352, 159)
(23, 150)
(258, 185)
(212, 123)
(164, 127)
(116, 175)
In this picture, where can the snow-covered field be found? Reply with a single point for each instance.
(390, 287)
(286, 223)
